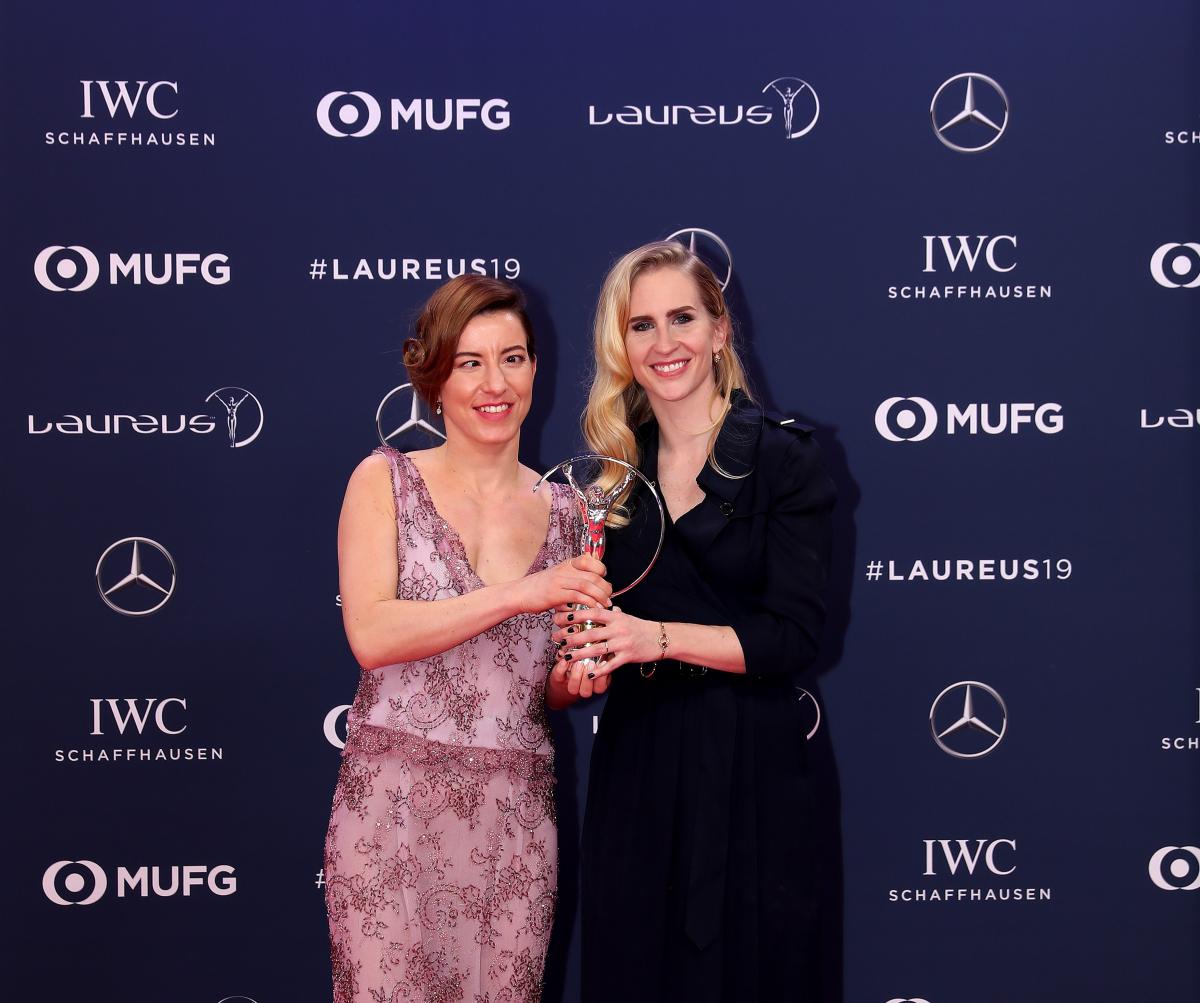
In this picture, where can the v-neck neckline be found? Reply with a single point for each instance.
(652, 471)
(455, 538)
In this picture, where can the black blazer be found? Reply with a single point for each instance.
(753, 555)
(699, 826)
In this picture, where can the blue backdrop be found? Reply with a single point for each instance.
(971, 257)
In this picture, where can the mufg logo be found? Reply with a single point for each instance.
(355, 114)
(74, 268)
(84, 882)
(1176, 266)
(914, 419)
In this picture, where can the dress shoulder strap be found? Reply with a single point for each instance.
(400, 477)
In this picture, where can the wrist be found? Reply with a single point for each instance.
(663, 641)
(509, 599)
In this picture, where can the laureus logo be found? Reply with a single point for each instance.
(243, 422)
(789, 90)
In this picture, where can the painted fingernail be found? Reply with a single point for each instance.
(561, 643)
(570, 617)
(591, 675)
(567, 656)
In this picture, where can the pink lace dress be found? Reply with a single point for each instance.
(441, 860)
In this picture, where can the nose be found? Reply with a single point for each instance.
(493, 378)
(664, 340)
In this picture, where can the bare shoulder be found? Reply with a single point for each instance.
(529, 480)
(425, 460)
(370, 484)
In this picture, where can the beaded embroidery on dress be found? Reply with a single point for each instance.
(441, 859)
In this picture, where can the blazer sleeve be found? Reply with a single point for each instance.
(779, 629)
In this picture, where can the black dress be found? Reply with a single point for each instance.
(702, 868)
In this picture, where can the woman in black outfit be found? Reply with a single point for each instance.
(701, 875)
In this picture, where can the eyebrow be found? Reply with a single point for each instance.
(670, 313)
(477, 355)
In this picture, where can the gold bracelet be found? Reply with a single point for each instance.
(663, 640)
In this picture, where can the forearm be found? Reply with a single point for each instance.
(701, 644)
(403, 630)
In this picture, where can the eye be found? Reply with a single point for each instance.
(641, 326)
(683, 318)
(469, 364)
(516, 359)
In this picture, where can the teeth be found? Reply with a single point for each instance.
(670, 367)
(494, 408)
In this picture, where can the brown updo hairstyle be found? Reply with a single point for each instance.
(429, 356)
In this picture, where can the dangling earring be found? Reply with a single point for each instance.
(438, 409)
(717, 357)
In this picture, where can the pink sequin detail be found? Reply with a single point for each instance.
(441, 855)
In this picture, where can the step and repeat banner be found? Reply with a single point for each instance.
(963, 242)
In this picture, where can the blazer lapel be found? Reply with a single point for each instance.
(736, 446)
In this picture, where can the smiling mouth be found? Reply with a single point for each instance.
(670, 368)
(493, 408)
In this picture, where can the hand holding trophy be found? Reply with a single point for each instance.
(595, 506)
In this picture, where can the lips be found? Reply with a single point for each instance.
(494, 411)
(672, 367)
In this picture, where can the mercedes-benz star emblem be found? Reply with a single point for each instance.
(147, 585)
(716, 254)
(973, 122)
(415, 418)
(968, 736)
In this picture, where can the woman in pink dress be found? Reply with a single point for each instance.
(441, 855)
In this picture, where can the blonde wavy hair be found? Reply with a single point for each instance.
(616, 403)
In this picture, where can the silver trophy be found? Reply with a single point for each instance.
(595, 505)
